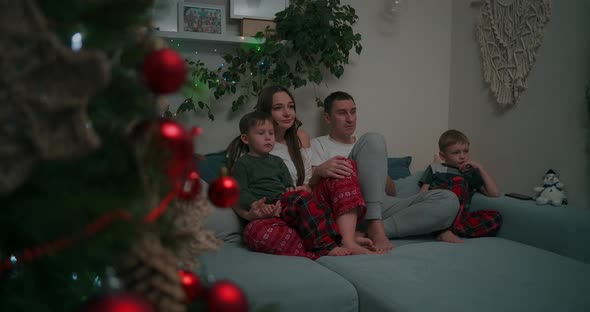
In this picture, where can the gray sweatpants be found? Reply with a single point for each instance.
(422, 213)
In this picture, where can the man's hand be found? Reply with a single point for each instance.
(336, 167)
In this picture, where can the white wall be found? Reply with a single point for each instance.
(400, 81)
(547, 129)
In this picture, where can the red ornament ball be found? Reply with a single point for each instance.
(180, 145)
(191, 285)
(224, 192)
(191, 188)
(120, 302)
(225, 296)
(164, 71)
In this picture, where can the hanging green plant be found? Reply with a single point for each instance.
(311, 36)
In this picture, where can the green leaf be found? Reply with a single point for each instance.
(319, 102)
(309, 36)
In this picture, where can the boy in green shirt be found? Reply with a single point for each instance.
(267, 191)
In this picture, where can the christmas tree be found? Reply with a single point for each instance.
(100, 198)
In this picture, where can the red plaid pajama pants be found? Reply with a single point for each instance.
(473, 224)
(307, 226)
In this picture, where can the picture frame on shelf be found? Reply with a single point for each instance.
(201, 18)
(258, 9)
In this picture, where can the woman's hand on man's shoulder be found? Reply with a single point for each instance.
(304, 138)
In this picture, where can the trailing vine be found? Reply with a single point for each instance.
(311, 36)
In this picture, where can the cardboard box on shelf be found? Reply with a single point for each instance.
(251, 26)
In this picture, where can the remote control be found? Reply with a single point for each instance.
(519, 196)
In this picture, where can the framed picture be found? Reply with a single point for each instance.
(201, 18)
(257, 9)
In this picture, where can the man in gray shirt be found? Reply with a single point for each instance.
(387, 216)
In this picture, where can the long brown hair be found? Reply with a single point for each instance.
(237, 148)
(291, 138)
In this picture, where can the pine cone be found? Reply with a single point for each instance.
(150, 270)
(189, 233)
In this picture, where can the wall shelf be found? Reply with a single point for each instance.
(211, 38)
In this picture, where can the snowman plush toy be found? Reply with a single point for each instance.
(552, 190)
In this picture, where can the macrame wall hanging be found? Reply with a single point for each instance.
(509, 34)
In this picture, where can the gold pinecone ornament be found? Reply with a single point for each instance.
(149, 270)
(189, 234)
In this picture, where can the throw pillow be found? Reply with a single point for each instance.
(210, 167)
(398, 168)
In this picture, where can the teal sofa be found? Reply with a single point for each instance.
(540, 261)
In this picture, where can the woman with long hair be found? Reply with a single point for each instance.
(270, 234)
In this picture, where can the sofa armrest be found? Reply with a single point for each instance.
(563, 230)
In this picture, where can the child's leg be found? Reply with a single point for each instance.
(348, 207)
(317, 229)
(459, 188)
(479, 223)
(473, 224)
(347, 224)
(274, 236)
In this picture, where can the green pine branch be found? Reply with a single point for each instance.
(312, 38)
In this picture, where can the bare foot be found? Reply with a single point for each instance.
(340, 251)
(449, 237)
(376, 233)
(365, 242)
(357, 249)
(382, 244)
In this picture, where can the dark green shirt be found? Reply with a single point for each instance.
(265, 176)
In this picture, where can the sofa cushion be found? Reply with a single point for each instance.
(565, 231)
(398, 168)
(294, 283)
(485, 274)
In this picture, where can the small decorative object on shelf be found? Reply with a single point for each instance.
(201, 18)
(250, 27)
